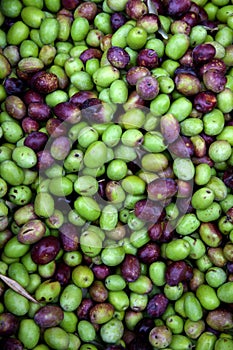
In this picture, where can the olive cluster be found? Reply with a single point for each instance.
(116, 174)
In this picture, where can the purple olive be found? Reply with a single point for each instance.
(180, 26)
(157, 305)
(182, 147)
(117, 20)
(178, 271)
(39, 111)
(9, 324)
(148, 58)
(44, 160)
(44, 82)
(118, 57)
(14, 86)
(32, 96)
(70, 4)
(228, 177)
(36, 140)
(87, 10)
(203, 53)
(45, 250)
(101, 271)
(144, 326)
(67, 111)
(80, 97)
(148, 210)
(191, 18)
(177, 7)
(69, 236)
(11, 344)
(149, 253)
(205, 101)
(89, 54)
(135, 73)
(147, 87)
(49, 316)
(84, 308)
(29, 125)
(130, 268)
(155, 231)
(187, 59)
(215, 65)
(62, 273)
(161, 189)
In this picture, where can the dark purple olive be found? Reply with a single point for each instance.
(130, 268)
(177, 7)
(15, 107)
(191, 18)
(161, 189)
(150, 22)
(9, 324)
(203, 53)
(49, 316)
(32, 96)
(117, 20)
(45, 250)
(205, 101)
(101, 271)
(118, 57)
(139, 343)
(29, 125)
(70, 4)
(36, 140)
(89, 54)
(228, 177)
(44, 160)
(155, 231)
(230, 266)
(93, 110)
(178, 271)
(67, 111)
(208, 138)
(56, 127)
(62, 273)
(39, 111)
(170, 128)
(84, 308)
(187, 84)
(14, 86)
(204, 159)
(144, 326)
(214, 80)
(98, 292)
(149, 253)
(157, 305)
(44, 82)
(135, 73)
(69, 236)
(87, 10)
(115, 347)
(158, 6)
(147, 87)
(148, 210)
(135, 9)
(148, 58)
(80, 97)
(11, 344)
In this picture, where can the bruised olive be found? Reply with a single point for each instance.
(15, 107)
(178, 271)
(87, 10)
(147, 87)
(44, 82)
(214, 80)
(203, 53)
(205, 101)
(135, 73)
(157, 305)
(187, 84)
(148, 58)
(117, 20)
(135, 9)
(56, 127)
(118, 57)
(147, 210)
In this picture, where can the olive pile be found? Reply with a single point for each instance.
(116, 174)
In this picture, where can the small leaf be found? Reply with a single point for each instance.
(17, 288)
